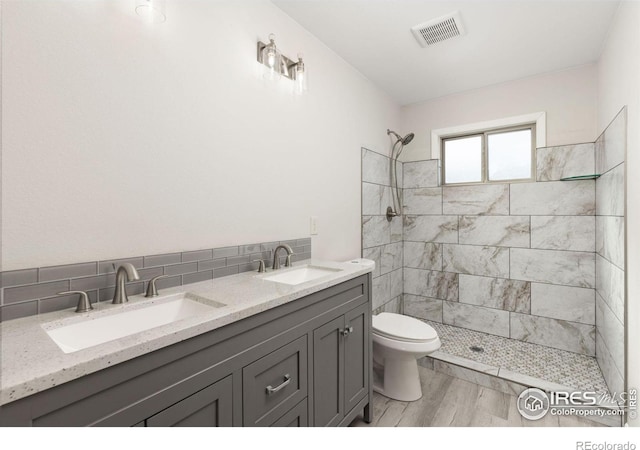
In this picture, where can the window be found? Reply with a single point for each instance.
(497, 155)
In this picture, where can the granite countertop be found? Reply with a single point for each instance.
(31, 361)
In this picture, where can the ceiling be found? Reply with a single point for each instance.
(505, 40)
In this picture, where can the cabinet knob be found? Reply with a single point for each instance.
(347, 331)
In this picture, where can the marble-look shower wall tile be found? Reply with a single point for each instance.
(442, 229)
(570, 336)
(396, 229)
(375, 168)
(380, 291)
(563, 302)
(420, 174)
(612, 332)
(610, 285)
(392, 306)
(614, 142)
(422, 201)
(485, 320)
(374, 254)
(423, 255)
(502, 231)
(487, 199)
(476, 260)
(610, 193)
(431, 283)
(396, 286)
(375, 231)
(375, 199)
(500, 293)
(610, 238)
(555, 267)
(554, 163)
(572, 198)
(423, 307)
(391, 257)
(611, 374)
(563, 233)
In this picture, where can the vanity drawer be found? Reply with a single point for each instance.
(297, 417)
(274, 384)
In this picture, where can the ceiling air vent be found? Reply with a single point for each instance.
(438, 30)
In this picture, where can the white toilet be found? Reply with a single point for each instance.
(398, 342)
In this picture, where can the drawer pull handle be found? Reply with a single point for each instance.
(347, 331)
(273, 390)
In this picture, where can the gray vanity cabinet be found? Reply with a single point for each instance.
(210, 407)
(341, 365)
(303, 363)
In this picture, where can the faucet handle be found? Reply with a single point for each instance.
(152, 290)
(261, 266)
(84, 304)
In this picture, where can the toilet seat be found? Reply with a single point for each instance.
(403, 328)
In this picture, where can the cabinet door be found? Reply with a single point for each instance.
(356, 356)
(210, 407)
(328, 373)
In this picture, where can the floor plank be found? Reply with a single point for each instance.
(451, 402)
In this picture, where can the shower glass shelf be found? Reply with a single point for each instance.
(582, 177)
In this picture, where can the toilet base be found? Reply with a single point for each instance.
(400, 380)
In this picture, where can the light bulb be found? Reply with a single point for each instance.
(300, 81)
(271, 58)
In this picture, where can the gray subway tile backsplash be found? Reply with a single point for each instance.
(162, 260)
(68, 271)
(18, 310)
(224, 252)
(196, 277)
(198, 255)
(21, 294)
(212, 264)
(18, 277)
(179, 269)
(34, 291)
(224, 271)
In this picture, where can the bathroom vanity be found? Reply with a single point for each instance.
(273, 355)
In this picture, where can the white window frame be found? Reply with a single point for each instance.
(539, 118)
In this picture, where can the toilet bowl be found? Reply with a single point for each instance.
(398, 342)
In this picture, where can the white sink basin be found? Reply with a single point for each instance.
(127, 321)
(302, 274)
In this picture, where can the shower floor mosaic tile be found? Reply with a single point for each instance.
(556, 367)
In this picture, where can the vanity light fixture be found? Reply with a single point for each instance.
(277, 65)
(152, 11)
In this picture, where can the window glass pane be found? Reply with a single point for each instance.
(509, 155)
(463, 160)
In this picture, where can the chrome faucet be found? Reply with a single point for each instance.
(125, 270)
(276, 261)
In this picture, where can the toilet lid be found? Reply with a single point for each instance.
(403, 327)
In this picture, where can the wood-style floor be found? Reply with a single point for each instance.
(451, 402)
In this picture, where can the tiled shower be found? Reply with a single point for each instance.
(538, 263)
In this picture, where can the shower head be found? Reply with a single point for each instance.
(405, 140)
(408, 138)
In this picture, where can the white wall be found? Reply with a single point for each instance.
(122, 138)
(568, 97)
(619, 85)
